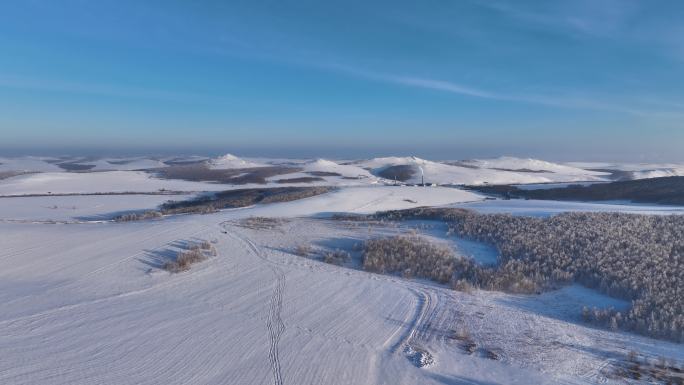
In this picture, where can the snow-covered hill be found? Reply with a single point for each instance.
(500, 171)
(509, 163)
(231, 161)
(27, 164)
(384, 170)
(629, 171)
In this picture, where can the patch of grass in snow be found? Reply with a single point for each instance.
(194, 253)
(241, 198)
(660, 371)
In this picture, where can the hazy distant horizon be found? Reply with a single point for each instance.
(330, 153)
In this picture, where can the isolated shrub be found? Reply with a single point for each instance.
(139, 216)
(659, 371)
(183, 260)
(336, 257)
(462, 285)
(194, 252)
(303, 250)
(261, 223)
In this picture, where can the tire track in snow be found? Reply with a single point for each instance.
(274, 322)
(372, 202)
(423, 303)
(419, 326)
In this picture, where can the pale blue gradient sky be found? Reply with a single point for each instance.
(583, 79)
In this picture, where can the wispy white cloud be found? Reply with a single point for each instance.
(565, 100)
(578, 17)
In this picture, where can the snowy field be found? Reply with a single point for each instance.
(86, 301)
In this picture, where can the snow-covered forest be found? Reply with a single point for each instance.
(635, 257)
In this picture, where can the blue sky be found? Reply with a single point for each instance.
(581, 79)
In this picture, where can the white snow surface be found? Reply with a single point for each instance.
(442, 173)
(78, 208)
(85, 300)
(97, 182)
(229, 161)
(347, 170)
(513, 163)
(367, 199)
(88, 303)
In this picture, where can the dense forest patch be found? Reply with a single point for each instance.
(666, 190)
(627, 256)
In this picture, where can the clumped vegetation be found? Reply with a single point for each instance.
(633, 257)
(208, 204)
(660, 371)
(194, 253)
(185, 162)
(75, 167)
(304, 179)
(241, 198)
(410, 255)
(666, 190)
(138, 216)
(261, 223)
(200, 172)
(303, 250)
(323, 173)
(414, 256)
(336, 257)
(402, 172)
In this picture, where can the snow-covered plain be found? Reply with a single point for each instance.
(85, 300)
(90, 304)
(78, 208)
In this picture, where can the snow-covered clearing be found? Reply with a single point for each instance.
(86, 301)
(90, 304)
(78, 207)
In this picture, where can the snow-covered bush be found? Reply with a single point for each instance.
(138, 216)
(336, 257)
(194, 252)
(183, 260)
(411, 255)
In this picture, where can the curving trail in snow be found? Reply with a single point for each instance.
(274, 324)
(88, 303)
